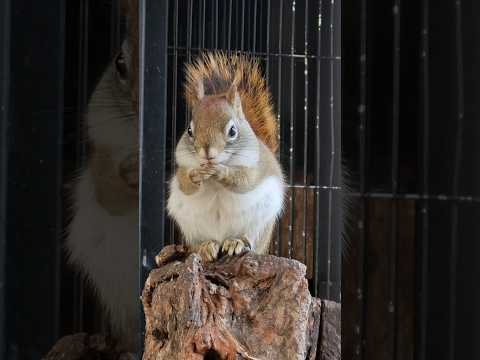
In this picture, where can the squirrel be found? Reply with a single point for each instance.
(228, 189)
(102, 237)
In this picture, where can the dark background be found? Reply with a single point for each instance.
(411, 277)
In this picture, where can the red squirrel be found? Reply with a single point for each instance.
(228, 189)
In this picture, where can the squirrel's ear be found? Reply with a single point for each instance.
(200, 90)
(233, 98)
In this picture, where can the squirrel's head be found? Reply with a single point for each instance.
(219, 132)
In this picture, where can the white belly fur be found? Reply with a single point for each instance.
(216, 213)
(105, 247)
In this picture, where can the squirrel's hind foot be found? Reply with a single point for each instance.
(208, 250)
(236, 246)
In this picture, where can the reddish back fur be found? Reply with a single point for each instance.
(217, 72)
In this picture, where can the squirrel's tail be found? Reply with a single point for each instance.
(216, 72)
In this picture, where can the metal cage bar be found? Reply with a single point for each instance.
(291, 150)
(318, 134)
(456, 179)
(279, 241)
(174, 104)
(79, 283)
(392, 305)
(305, 137)
(362, 159)
(424, 204)
(4, 109)
(335, 211)
(153, 44)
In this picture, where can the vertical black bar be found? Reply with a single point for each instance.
(34, 217)
(335, 209)
(328, 256)
(305, 135)
(254, 47)
(333, 154)
(189, 31)
(394, 175)
(4, 100)
(224, 30)
(189, 45)
(291, 152)
(217, 21)
(230, 9)
(242, 31)
(114, 26)
(456, 179)
(316, 247)
(267, 70)
(174, 104)
(82, 99)
(83, 49)
(279, 107)
(153, 31)
(204, 5)
(60, 106)
(424, 213)
(362, 132)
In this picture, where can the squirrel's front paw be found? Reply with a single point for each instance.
(208, 250)
(197, 176)
(220, 172)
(235, 246)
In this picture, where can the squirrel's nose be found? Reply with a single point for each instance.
(210, 153)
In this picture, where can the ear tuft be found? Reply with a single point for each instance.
(233, 98)
(200, 90)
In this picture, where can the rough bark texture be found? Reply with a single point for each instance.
(330, 334)
(244, 307)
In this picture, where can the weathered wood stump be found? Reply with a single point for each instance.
(243, 307)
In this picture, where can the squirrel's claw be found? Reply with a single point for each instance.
(235, 246)
(199, 175)
(208, 250)
(220, 171)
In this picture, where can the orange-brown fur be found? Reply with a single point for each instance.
(218, 71)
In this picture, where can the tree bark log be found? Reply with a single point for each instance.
(243, 307)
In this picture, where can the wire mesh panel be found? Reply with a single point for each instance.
(298, 45)
(413, 169)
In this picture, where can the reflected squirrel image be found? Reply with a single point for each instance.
(102, 237)
(228, 189)
(227, 192)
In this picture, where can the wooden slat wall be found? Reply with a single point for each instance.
(302, 248)
(370, 336)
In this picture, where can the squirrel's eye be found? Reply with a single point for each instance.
(232, 132)
(190, 131)
(121, 66)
